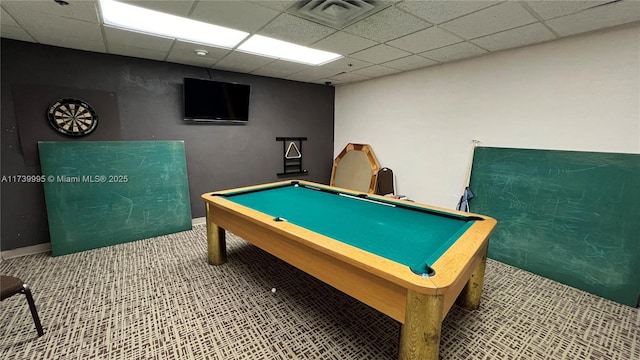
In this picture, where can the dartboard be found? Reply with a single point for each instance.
(72, 117)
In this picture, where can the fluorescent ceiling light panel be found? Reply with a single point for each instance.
(139, 19)
(265, 46)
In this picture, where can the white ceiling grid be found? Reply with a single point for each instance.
(397, 36)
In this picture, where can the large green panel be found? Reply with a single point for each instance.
(101, 193)
(566, 215)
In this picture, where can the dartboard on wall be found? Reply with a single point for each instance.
(72, 117)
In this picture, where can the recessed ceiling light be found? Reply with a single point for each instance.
(139, 19)
(265, 46)
(201, 52)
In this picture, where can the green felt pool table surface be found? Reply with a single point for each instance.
(405, 234)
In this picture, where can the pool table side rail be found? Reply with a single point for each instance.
(447, 267)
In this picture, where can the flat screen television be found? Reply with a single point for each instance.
(216, 101)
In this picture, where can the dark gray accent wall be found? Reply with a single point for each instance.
(149, 101)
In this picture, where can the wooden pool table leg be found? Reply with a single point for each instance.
(420, 333)
(216, 242)
(472, 291)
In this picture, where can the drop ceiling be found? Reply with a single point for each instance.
(376, 38)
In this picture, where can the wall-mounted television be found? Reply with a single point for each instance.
(216, 101)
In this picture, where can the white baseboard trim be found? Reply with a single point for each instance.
(24, 251)
(40, 248)
(199, 221)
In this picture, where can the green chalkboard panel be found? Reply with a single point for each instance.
(101, 193)
(566, 215)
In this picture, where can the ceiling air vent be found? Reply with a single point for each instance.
(338, 13)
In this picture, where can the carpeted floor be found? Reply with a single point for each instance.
(159, 299)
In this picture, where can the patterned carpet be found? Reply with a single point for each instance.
(159, 299)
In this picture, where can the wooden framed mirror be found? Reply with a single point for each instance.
(356, 168)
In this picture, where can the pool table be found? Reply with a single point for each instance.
(407, 260)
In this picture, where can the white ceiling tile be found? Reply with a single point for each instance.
(346, 64)
(239, 15)
(454, 52)
(76, 43)
(28, 20)
(437, 12)
(138, 52)
(410, 63)
(326, 81)
(275, 73)
(348, 77)
(183, 52)
(491, 20)
(242, 62)
(428, 39)
(380, 54)
(174, 7)
(199, 61)
(121, 39)
(280, 68)
(597, 18)
(56, 30)
(526, 35)
(386, 25)
(314, 73)
(6, 19)
(280, 5)
(10, 29)
(344, 43)
(15, 33)
(553, 9)
(79, 10)
(375, 71)
(304, 78)
(296, 30)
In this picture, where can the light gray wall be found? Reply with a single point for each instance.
(579, 93)
(149, 98)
